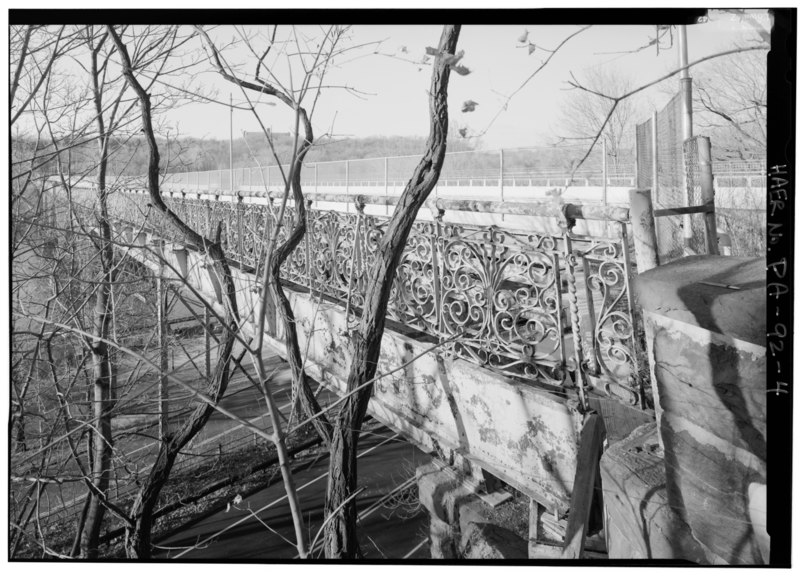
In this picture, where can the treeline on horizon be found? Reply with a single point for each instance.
(130, 156)
(187, 154)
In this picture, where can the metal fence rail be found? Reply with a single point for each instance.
(492, 170)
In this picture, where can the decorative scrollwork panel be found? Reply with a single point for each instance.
(611, 322)
(502, 292)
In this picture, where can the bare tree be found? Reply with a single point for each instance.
(585, 114)
(341, 539)
(730, 103)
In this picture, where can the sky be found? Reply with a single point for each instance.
(392, 92)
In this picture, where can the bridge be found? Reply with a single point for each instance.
(532, 300)
(496, 175)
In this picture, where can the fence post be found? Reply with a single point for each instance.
(502, 173)
(347, 176)
(707, 193)
(386, 176)
(654, 149)
(643, 227)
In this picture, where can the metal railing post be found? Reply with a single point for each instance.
(436, 250)
(571, 261)
(355, 257)
(239, 237)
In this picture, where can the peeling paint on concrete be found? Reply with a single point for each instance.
(524, 435)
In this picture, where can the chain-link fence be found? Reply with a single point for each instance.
(500, 169)
(672, 174)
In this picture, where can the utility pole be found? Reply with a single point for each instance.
(686, 113)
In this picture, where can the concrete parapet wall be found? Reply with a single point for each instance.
(524, 435)
(705, 326)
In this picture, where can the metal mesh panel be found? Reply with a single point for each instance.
(366, 172)
(691, 161)
(669, 136)
(644, 155)
(471, 168)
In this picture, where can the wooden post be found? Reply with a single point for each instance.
(643, 225)
(580, 504)
(163, 381)
(533, 526)
(707, 193)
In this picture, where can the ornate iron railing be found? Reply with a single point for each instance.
(554, 308)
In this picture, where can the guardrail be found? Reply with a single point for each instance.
(549, 307)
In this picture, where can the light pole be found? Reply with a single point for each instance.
(686, 113)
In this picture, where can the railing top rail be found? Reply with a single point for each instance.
(617, 213)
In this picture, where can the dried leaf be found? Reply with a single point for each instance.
(468, 106)
(462, 132)
(462, 70)
(531, 48)
(524, 38)
(403, 49)
(431, 51)
(452, 59)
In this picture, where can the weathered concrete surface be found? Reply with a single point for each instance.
(485, 541)
(640, 522)
(525, 436)
(680, 290)
(441, 490)
(463, 525)
(708, 362)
